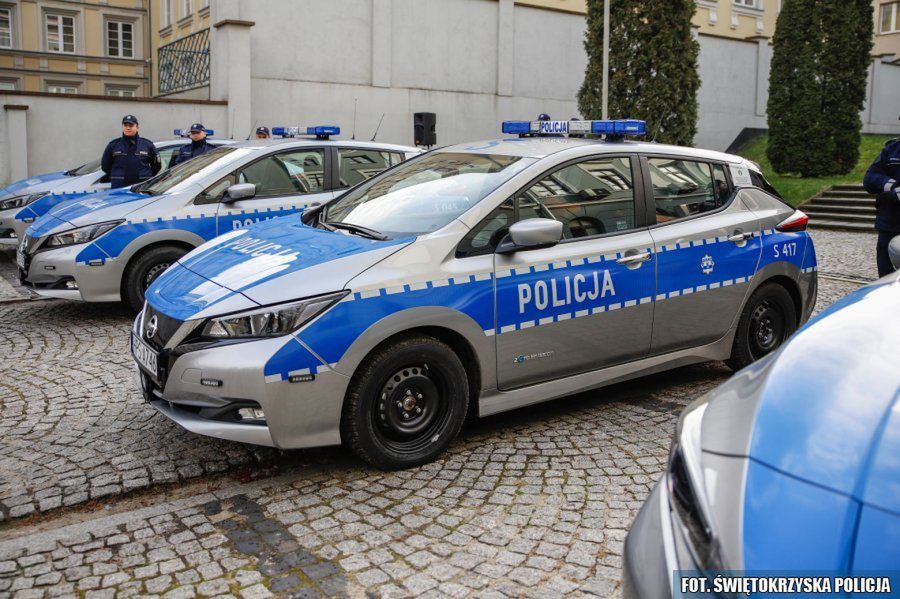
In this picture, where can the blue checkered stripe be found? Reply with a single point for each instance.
(205, 226)
(473, 294)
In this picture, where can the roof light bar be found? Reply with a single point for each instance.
(187, 132)
(612, 129)
(319, 131)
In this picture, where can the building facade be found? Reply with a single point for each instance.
(93, 47)
(887, 29)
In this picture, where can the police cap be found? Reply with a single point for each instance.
(129, 118)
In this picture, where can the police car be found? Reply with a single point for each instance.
(22, 202)
(484, 276)
(110, 246)
(789, 467)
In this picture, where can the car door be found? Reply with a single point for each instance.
(708, 246)
(585, 303)
(286, 182)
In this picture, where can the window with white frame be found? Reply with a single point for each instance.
(6, 37)
(748, 3)
(187, 7)
(120, 39)
(63, 88)
(165, 13)
(890, 18)
(9, 85)
(60, 32)
(121, 91)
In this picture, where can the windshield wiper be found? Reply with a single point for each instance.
(359, 229)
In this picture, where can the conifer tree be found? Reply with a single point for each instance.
(653, 66)
(817, 85)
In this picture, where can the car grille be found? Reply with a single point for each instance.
(166, 327)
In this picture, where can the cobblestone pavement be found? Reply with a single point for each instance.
(536, 502)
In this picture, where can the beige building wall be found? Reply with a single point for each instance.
(887, 28)
(86, 60)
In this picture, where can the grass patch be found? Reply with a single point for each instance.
(797, 189)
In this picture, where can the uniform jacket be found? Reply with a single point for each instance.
(882, 180)
(130, 160)
(191, 150)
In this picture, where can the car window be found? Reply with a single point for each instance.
(592, 197)
(287, 173)
(165, 155)
(721, 187)
(425, 193)
(356, 165)
(760, 181)
(681, 188)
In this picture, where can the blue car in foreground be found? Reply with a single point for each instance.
(793, 465)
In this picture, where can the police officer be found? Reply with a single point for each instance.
(262, 133)
(198, 146)
(883, 181)
(130, 159)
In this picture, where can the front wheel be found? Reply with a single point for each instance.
(143, 270)
(768, 319)
(406, 403)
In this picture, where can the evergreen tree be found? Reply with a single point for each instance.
(652, 66)
(817, 85)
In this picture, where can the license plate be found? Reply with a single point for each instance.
(144, 355)
(20, 259)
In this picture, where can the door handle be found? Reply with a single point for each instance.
(634, 259)
(739, 237)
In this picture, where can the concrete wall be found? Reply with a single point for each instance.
(734, 90)
(474, 63)
(65, 131)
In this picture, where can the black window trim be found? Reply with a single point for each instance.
(648, 184)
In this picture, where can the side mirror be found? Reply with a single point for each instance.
(531, 234)
(240, 191)
(894, 252)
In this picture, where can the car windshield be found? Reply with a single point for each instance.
(423, 194)
(84, 169)
(167, 180)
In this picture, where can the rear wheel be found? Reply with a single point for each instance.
(406, 403)
(145, 269)
(768, 319)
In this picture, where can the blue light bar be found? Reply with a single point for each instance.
(620, 127)
(323, 130)
(613, 129)
(516, 127)
(187, 132)
(286, 131)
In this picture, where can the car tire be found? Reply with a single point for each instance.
(143, 270)
(405, 404)
(766, 322)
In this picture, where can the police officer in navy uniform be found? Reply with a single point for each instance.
(130, 159)
(883, 181)
(198, 146)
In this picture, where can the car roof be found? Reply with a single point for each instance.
(300, 142)
(541, 147)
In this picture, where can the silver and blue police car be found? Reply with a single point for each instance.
(479, 277)
(791, 467)
(23, 202)
(110, 246)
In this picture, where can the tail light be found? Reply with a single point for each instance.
(794, 223)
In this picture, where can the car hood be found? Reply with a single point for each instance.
(37, 184)
(272, 262)
(824, 409)
(96, 207)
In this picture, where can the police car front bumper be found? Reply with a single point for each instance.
(56, 273)
(204, 390)
(651, 554)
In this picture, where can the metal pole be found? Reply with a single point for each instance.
(606, 59)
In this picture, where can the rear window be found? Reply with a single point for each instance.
(759, 181)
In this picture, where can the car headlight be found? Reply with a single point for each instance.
(270, 321)
(686, 487)
(20, 201)
(82, 234)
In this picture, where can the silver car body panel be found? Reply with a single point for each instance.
(523, 354)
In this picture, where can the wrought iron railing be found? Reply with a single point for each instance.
(184, 64)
